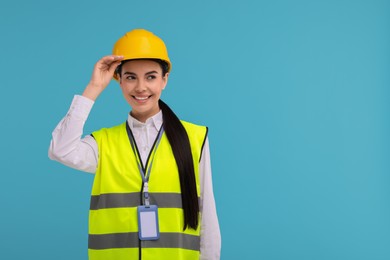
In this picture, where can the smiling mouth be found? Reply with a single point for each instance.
(141, 98)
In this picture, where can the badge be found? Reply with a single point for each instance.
(148, 222)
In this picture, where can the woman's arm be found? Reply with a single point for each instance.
(66, 145)
(210, 236)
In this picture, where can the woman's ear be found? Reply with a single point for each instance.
(165, 79)
(119, 81)
(118, 76)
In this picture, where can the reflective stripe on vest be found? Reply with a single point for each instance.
(120, 200)
(116, 193)
(129, 240)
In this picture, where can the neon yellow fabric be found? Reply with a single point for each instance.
(118, 173)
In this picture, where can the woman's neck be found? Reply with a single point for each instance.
(142, 117)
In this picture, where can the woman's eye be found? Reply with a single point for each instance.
(130, 78)
(151, 77)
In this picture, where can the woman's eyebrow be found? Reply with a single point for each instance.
(132, 73)
(129, 73)
(151, 72)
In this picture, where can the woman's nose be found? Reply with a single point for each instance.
(141, 86)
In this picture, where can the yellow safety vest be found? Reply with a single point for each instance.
(116, 193)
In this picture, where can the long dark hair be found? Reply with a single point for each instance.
(181, 148)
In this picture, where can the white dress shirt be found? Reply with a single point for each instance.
(70, 149)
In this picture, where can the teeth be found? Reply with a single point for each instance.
(141, 98)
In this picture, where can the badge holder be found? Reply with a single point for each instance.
(147, 214)
(148, 219)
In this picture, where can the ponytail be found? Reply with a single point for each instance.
(181, 148)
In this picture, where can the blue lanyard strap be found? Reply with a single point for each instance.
(145, 175)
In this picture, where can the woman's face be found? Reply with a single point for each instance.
(141, 82)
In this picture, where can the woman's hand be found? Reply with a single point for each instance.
(101, 76)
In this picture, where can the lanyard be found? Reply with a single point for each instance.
(145, 175)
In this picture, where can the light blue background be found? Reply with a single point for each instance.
(295, 93)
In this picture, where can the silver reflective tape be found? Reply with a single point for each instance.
(174, 240)
(130, 240)
(117, 240)
(123, 200)
(166, 200)
(115, 200)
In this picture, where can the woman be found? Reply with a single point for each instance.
(152, 195)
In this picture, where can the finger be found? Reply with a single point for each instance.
(118, 57)
(113, 66)
(113, 57)
(109, 60)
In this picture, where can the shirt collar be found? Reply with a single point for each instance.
(154, 121)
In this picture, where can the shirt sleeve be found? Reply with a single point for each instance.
(210, 236)
(67, 146)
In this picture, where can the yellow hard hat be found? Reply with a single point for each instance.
(141, 44)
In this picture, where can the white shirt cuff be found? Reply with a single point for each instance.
(81, 107)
